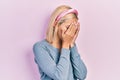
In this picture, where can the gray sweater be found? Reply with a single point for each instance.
(53, 64)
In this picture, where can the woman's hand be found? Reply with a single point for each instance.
(76, 34)
(69, 36)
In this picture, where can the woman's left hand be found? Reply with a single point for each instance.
(76, 34)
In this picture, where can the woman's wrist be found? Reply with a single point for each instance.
(65, 45)
(72, 44)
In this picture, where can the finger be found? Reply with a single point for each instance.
(63, 32)
(74, 28)
(70, 27)
(78, 26)
(76, 34)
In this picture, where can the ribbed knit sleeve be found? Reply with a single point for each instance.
(48, 66)
(79, 68)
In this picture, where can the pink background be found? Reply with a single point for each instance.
(23, 22)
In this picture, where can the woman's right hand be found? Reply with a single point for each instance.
(68, 35)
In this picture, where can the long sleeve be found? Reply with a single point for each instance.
(79, 68)
(48, 66)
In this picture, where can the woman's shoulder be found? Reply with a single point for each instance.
(40, 44)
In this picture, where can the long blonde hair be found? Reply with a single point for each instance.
(50, 30)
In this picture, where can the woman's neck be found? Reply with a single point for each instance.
(57, 43)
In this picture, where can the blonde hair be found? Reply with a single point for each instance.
(50, 30)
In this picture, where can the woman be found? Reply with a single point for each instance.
(57, 56)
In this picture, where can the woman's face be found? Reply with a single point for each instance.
(66, 21)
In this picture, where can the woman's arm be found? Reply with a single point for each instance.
(48, 66)
(79, 68)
